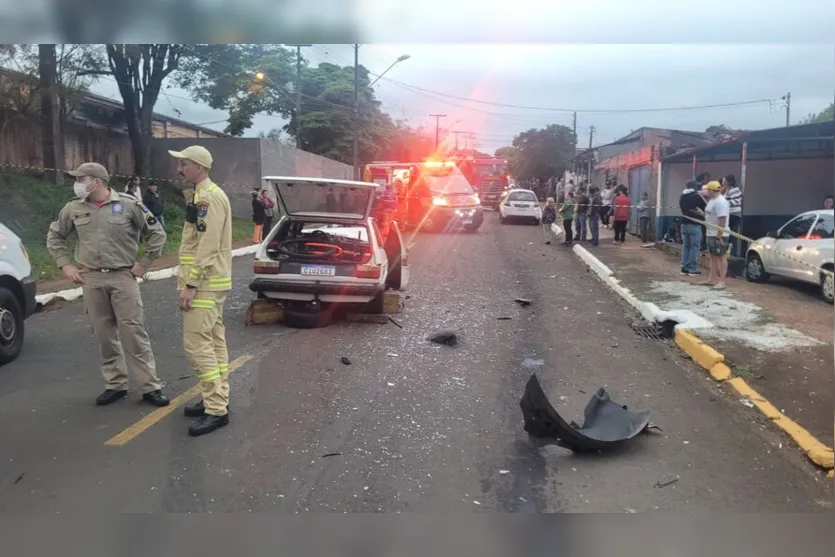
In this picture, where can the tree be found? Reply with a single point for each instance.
(542, 153)
(722, 131)
(139, 70)
(825, 115)
(243, 79)
(247, 80)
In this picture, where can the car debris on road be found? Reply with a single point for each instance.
(607, 426)
(445, 336)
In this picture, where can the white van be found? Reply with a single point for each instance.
(17, 294)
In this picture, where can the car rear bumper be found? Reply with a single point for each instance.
(30, 290)
(514, 212)
(266, 285)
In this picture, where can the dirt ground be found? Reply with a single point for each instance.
(796, 379)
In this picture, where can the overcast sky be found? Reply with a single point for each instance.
(586, 78)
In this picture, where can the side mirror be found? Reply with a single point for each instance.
(771, 234)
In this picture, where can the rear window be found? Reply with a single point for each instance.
(527, 196)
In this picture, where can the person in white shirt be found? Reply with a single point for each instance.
(717, 214)
(733, 194)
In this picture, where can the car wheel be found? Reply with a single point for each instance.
(502, 218)
(11, 326)
(301, 319)
(472, 227)
(754, 269)
(537, 222)
(828, 286)
(377, 306)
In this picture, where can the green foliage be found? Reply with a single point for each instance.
(540, 153)
(825, 115)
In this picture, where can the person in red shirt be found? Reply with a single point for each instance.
(621, 207)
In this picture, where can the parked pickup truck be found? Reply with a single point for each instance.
(17, 294)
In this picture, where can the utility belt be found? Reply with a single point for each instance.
(113, 270)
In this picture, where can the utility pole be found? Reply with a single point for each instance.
(575, 131)
(591, 136)
(356, 112)
(437, 118)
(457, 133)
(788, 99)
(299, 93)
(53, 154)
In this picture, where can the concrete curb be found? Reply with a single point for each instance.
(75, 293)
(714, 362)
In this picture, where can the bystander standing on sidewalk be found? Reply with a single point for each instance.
(567, 213)
(716, 217)
(269, 212)
(733, 194)
(549, 217)
(581, 214)
(643, 217)
(620, 214)
(595, 208)
(692, 205)
(259, 216)
(155, 203)
(607, 196)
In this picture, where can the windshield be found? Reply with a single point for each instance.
(452, 184)
(522, 196)
(491, 169)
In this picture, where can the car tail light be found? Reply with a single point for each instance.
(267, 267)
(368, 271)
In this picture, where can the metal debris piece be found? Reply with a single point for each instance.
(395, 322)
(331, 454)
(504, 318)
(660, 485)
(19, 478)
(345, 361)
(607, 425)
(524, 302)
(445, 336)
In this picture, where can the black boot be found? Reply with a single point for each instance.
(196, 409)
(110, 396)
(207, 424)
(156, 398)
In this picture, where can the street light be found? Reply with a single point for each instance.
(399, 59)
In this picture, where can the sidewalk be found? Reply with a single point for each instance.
(777, 336)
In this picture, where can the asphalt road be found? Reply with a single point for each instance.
(416, 427)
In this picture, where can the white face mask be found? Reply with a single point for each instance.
(80, 191)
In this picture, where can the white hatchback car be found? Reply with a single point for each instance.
(808, 241)
(520, 204)
(326, 251)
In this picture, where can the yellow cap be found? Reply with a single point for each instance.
(713, 186)
(195, 153)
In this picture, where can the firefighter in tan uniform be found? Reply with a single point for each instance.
(108, 226)
(204, 280)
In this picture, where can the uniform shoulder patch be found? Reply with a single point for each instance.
(202, 208)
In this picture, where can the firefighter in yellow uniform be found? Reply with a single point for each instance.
(204, 280)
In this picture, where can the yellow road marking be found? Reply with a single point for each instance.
(145, 423)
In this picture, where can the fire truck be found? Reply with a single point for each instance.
(488, 175)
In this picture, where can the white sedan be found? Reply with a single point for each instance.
(801, 250)
(520, 204)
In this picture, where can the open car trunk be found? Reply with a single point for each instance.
(300, 197)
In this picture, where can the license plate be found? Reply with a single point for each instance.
(491, 197)
(522, 206)
(466, 222)
(318, 270)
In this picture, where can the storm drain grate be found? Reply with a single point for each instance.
(653, 331)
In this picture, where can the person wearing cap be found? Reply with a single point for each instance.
(108, 225)
(717, 213)
(204, 280)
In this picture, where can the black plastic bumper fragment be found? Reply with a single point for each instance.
(607, 425)
(268, 285)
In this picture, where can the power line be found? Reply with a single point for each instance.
(572, 110)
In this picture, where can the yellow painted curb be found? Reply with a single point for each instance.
(701, 353)
(720, 372)
(817, 452)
